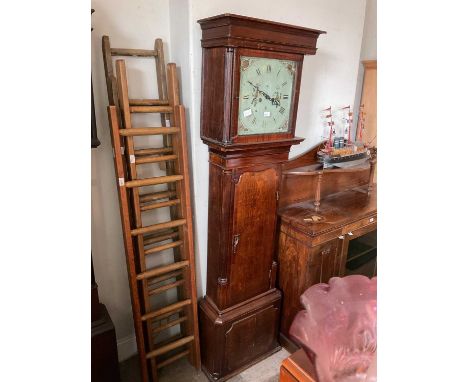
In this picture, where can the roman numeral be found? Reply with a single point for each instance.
(284, 83)
(258, 71)
(254, 121)
(264, 124)
(282, 110)
(285, 96)
(277, 74)
(268, 69)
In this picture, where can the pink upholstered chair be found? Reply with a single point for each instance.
(338, 328)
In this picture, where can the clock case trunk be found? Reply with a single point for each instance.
(239, 316)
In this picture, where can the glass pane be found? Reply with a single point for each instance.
(362, 255)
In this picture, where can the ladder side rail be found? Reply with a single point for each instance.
(186, 208)
(174, 99)
(162, 93)
(170, 88)
(161, 74)
(128, 241)
(122, 86)
(112, 93)
(177, 211)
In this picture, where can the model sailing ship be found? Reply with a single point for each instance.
(342, 151)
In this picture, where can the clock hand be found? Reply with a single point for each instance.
(272, 100)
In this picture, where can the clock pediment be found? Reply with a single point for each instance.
(232, 30)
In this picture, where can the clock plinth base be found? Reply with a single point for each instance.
(240, 336)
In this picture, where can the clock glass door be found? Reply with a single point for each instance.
(266, 91)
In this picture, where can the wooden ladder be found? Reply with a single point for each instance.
(145, 242)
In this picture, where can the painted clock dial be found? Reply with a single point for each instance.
(265, 95)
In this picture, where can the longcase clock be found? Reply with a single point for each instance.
(250, 91)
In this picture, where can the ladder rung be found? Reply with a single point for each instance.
(166, 309)
(152, 206)
(162, 150)
(173, 358)
(156, 238)
(169, 347)
(153, 181)
(163, 247)
(161, 270)
(166, 287)
(148, 102)
(171, 275)
(156, 196)
(133, 52)
(170, 324)
(155, 159)
(148, 131)
(166, 315)
(158, 227)
(151, 109)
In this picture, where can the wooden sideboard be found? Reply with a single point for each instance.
(324, 215)
(298, 368)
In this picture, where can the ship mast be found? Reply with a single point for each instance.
(349, 121)
(361, 120)
(330, 123)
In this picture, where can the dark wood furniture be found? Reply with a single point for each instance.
(239, 315)
(320, 213)
(298, 368)
(104, 358)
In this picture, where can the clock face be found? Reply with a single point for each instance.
(265, 95)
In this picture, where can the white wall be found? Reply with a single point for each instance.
(368, 49)
(329, 77)
(130, 24)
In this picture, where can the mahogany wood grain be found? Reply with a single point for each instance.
(239, 315)
(300, 177)
(254, 217)
(311, 252)
(229, 30)
(237, 337)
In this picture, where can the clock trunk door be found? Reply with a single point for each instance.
(253, 234)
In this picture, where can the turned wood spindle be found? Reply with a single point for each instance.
(370, 185)
(317, 192)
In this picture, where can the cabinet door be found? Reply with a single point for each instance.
(253, 235)
(323, 263)
(300, 267)
(250, 337)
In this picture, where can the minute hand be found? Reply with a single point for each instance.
(274, 101)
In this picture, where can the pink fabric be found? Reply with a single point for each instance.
(338, 328)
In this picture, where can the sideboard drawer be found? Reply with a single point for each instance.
(359, 224)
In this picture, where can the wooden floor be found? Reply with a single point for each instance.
(182, 371)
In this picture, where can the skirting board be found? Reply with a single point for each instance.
(126, 347)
